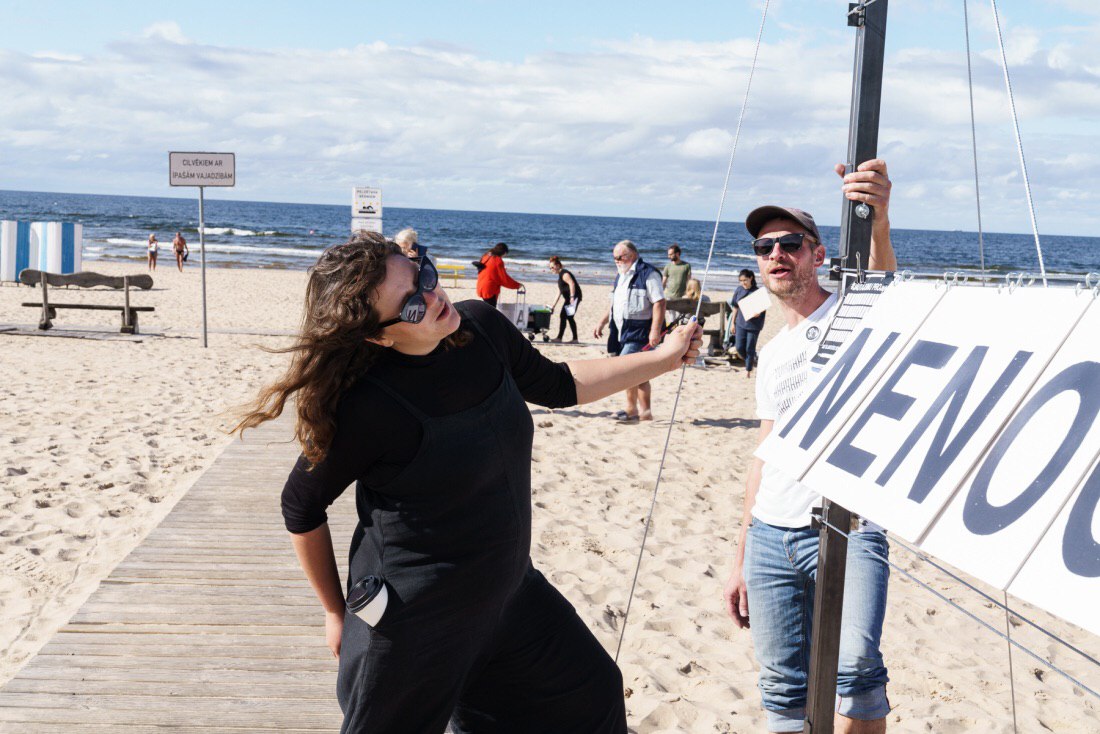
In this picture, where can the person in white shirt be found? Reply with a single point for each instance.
(637, 318)
(775, 563)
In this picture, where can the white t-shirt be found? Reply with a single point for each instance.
(637, 302)
(783, 373)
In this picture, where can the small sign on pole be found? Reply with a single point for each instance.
(370, 225)
(366, 209)
(202, 170)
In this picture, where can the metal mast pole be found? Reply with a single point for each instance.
(869, 19)
(202, 250)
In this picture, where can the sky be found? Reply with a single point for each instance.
(610, 108)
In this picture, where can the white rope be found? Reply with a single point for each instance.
(974, 138)
(1019, 141)
(698, 309)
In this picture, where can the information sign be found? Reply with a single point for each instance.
(202, 169)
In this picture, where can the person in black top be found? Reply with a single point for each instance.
(421, 403)
(746, 331)
(569, 291)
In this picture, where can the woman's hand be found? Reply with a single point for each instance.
(682, 345)
(334, 631)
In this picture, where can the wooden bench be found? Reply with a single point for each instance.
(452, 270)
(718, 335)
(87, 280)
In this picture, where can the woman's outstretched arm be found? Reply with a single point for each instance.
(318, 560)
(598, 378)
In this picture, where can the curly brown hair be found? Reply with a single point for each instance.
(331, 351)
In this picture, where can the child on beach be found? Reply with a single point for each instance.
(421, 403)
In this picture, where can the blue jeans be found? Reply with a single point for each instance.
(780, 571)
(631, 348)
(744, 342)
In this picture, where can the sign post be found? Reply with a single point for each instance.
(202, 170)
(869, 19)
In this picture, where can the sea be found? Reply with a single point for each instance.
(258, 234)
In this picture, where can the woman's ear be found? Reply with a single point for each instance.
(381, 341)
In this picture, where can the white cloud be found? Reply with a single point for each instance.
(165, 31)
(630, 127)
(711, 143)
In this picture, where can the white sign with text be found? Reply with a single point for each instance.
(978, 440)
(202, 169)
(366, 202)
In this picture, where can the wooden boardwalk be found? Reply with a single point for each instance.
(208, 625)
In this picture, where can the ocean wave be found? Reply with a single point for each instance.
(124, 241)
(237, 232)
(247, 250)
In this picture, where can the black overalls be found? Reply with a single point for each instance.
(472, 631)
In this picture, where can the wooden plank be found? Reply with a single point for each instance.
(208, 625)
(86, 279)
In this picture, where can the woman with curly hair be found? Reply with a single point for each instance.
(422, 404)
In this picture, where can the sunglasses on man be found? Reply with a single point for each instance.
(414, 308)
(787, 243)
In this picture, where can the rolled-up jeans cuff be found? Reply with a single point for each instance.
(867, 706)
(786, 720)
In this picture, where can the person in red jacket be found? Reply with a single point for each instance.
(492, 276)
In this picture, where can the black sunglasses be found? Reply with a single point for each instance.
(414, 308)
(787, 243)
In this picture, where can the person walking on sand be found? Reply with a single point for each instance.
(569, 292)
(151, 248)
(676, 274)
(772, 581)
(637, 318)
(423, 404)
(179, 244)
(746, 332)
(492, 276)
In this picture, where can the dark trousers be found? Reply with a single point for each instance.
(563, 320)
(744, 342)
(536, 669)
(491, 301)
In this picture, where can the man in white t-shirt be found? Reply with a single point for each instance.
(775, 564)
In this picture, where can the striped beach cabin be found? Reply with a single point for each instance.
(53, 247)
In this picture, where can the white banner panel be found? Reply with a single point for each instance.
(1042, 455)
(1063, 574)
(849, 376)
(911, 443)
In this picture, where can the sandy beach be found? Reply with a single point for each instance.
(102, 437)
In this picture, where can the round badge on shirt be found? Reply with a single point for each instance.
(812, 333)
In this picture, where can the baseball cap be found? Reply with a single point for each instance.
(760, 216)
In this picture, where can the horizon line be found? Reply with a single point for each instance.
(537, 214)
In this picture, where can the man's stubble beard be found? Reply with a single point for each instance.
(791, 289)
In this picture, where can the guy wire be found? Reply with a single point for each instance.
(1038, 658)
(698, 310)
(1011, 673)
(1019, 141)
(974, 137)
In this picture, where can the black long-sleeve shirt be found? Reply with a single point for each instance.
(376, 438)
